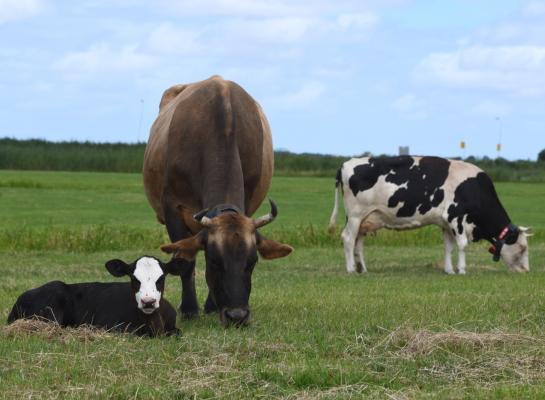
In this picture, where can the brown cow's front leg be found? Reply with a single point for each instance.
(177, 230)
(189, 308)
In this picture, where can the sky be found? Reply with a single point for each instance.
(337, 77)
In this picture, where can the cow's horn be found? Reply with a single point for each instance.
(201, 218)
(206, 222)
(264, 220)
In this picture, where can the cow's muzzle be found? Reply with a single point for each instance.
(235, 316)
(148, 305)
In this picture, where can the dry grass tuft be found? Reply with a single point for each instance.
(424, 342)
(476, 358)
(52, 331)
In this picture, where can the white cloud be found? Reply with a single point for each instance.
(280, 21)
(12, 10)
(241, 8)
(304, 96)
(516, 69)
(366, 20)
(169, 39)
(527, 28)
(104, 58)
(270, 30)
(295, 29)
(410, 106)
(405, 103)
(534, 9)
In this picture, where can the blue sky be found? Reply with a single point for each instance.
(340, 77)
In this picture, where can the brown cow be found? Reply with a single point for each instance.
(210, 149)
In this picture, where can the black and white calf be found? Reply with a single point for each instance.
(137, 307)
(409, 192)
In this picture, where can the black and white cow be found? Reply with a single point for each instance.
(136, 307)
(410, 192)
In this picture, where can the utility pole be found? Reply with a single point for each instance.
(140, 120)
(498, 145)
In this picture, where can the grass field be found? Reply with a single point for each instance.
(405, 330)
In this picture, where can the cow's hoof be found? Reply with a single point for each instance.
(359, 268)
(461, 272)
(189, 313)
(210, 307)
(449, 272)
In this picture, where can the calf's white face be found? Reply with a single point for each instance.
(147, 279)
(147, 276)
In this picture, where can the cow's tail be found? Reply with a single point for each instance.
(333, 219)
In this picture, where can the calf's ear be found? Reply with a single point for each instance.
(117, 267)
(176, 266)
(270, 249)
(185, 248)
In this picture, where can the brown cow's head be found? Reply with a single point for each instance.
(230, 241)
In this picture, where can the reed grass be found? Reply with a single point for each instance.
(127, 157)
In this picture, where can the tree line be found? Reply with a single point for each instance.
(35, 154)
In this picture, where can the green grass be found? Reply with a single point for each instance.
(404, 330)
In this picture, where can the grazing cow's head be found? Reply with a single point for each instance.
(515, 252)
(230, 241)
(512, 245)
(147, 279)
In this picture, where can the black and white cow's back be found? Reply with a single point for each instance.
(409, 192)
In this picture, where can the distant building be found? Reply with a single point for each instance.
(403, 150)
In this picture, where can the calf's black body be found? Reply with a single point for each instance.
(109, 306)
(104, 305)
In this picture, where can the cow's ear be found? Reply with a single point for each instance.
(176, 266)
(186, 248)
(270, 249)
(117, 267)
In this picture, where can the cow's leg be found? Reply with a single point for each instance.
(461, 241)
(210, 305)
(177, 230)
(358, 255)
(449, 246)
(349, 235)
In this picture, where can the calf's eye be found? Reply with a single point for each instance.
(135, 283)
(160, 283)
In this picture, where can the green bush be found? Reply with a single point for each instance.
(541, 155)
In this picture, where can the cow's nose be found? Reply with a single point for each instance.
(237, 315)
(148, 302)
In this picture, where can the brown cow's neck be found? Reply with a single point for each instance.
(223, 181)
